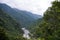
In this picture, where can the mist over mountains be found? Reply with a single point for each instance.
(16, 24)
(25, 18)
(13, 19)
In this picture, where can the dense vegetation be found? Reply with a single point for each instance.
(9, 28)
(46, 28)
(9, 25)
(49, 28)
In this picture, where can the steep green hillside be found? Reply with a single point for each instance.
(9, 27)
(35, 25)
(49, 29)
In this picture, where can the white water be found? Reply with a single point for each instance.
(26, 33)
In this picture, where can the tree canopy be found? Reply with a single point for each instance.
(49, 29)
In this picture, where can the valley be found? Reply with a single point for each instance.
(16, 24)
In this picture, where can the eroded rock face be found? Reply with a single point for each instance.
(26, 33)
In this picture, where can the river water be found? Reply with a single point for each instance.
(26, 33)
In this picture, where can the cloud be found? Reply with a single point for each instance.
(35, 6)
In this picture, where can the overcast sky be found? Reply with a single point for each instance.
(34, 6)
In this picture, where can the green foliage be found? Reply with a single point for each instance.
(3, 35)
(49, 29)
(9, 28)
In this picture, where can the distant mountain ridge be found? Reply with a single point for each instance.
(23, 17)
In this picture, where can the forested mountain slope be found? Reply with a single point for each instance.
(9, 28)
(49, 29)
(23, 17)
